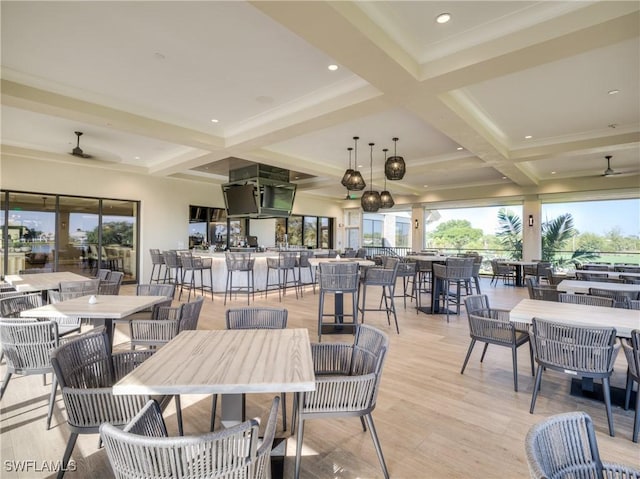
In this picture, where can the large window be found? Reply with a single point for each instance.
(68, 233)
(403, 233)
(576, 232)
(458, 230)
(372, 232)
(307, 231)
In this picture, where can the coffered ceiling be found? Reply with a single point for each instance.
(523, 95)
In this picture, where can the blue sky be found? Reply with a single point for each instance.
(594, 216)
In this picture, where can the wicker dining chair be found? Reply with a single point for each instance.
(565, 446)
(586, 299)
(347, 383)
(255, 318)
(621, 298)
(583, 351)
(26, 346)
(631, 348)
(143, 449)
(492, 326)
(12, 306)
(86, 370)
(89, 286)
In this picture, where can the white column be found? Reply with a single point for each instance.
(417, 228)
(531, 229)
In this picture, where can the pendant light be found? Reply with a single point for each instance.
(370, 200)
(394, 167)
(386, 200)
(349, 171)
(355, 181)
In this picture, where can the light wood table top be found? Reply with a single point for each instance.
(41, 281)
(226, 362)
(582, 287)
(361, 261)
(106, 307)
(427, 258)
(624, 320)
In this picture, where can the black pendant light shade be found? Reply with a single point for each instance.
(355, 182)
(348, 172)
(394, 167)
(370, 200)
(386, 200)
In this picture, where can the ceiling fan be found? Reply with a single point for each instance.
(609, 171)
(77, 151)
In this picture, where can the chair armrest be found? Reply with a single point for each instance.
(340, 394)
(490, 328)
(331, 358)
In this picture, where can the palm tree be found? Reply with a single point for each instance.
(555, 235)
(510, 232)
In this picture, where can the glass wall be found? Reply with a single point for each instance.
(78, 228)
(67, 233)
(303, 231)
(372, 227)
(586, 231)
(310, 229)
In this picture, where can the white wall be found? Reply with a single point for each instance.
(164, 202)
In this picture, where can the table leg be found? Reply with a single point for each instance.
(233, 409)
(518, 275)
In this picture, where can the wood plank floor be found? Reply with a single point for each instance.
(432, 421)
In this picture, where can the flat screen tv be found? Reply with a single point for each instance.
(277, 200)
(240, 200)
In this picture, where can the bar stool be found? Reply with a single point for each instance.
(338, 279)
(239, 263)
(384, 277)
(455, 271)
(173, 268)
(282, 265)
(303, 262)
(407, 272)
(157, 261)
(193, 264)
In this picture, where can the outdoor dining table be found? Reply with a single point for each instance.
(29, 283)
(228, 362)
(582, 287)
(105, 308)
(519, 268)
(624, 320)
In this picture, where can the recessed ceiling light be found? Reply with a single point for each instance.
(443, 18)
(613, 92)
(504, 177)
(213, 120)
(359, 166)
(426, 186)
(553, 172)
(528, 137)
(136, 157)
(333, 67)
(459, 148)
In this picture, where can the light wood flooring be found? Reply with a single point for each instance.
(432, 421)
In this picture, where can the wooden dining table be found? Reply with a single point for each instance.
(228, 362)
(106, 308)
(582, 287)
(624, 320)
(29, 283)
